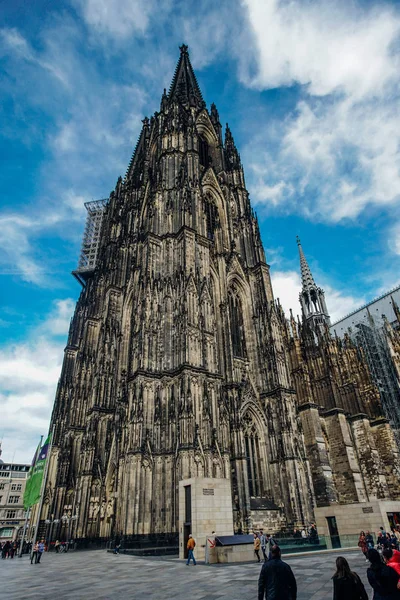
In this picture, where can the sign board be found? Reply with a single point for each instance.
(208, 492)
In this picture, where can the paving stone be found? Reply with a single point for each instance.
(98, 575)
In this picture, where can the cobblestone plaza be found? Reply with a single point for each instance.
(98, 575)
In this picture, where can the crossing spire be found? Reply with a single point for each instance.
(307, 279)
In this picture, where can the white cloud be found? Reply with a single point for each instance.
(117, 18)
(339, 151)
(58, 321)
(95, 121)
(394, 239)
(29, 372)
(287, 287)
(19, 233)
(12, 41)
(327, 46)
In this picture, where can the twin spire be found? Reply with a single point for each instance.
(184, 86)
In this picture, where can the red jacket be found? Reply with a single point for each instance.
(394, 562)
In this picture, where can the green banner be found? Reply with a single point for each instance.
(28, 486)
(36, 479)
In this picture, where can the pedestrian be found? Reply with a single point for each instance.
(276, 581)
(257, 544)
(191, 546)
(117, 544)
(382, 579)
(263, 540)
(369, 540)
(391, 558)
(304, 534)
(362, 544)
(382, 541)
(6, 549)
(57, 546)
(40, 551)
(297, 536)
(346, 584)
(313, 534)
(393, 541)
(35, 551)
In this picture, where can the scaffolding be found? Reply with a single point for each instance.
(91, 240)
(371, 337)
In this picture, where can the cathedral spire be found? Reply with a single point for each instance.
(307, 279)
(184, 86)
(312, 297)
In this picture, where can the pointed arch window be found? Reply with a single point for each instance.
(252, 450)
(212, 218)
(204, 153)
(237, 325)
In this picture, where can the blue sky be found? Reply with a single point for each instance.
(311, 93)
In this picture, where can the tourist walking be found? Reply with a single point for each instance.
(391, 558)
(40, 551)
(264, 542)
(382, 579)
(346, 584)
(276, 581)
(191, 546)
(257, 544)
(362, 543)
(117, 544)
(369, 540)
(35, 551)
(6, 549)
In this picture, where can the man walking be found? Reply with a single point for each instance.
(276, 581)
(190, 546)
(34, 555)
(263, 541)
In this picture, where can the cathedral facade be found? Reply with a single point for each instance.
(180, 363)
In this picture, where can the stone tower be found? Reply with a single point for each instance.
(175, 364)
(180, 364)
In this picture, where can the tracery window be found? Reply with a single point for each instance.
(252, 450)
(212, 218)
(204, 155)
(237, 325)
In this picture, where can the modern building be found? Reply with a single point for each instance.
(374, 328)
(12, 487)
(181, 366)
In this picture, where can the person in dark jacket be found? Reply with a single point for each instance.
(382, 579)
(346, 584)
(276, 581)
(369, 540)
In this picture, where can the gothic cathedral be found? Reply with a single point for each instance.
(180, 363)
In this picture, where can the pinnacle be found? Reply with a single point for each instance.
(306, 276)
(184, 86)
